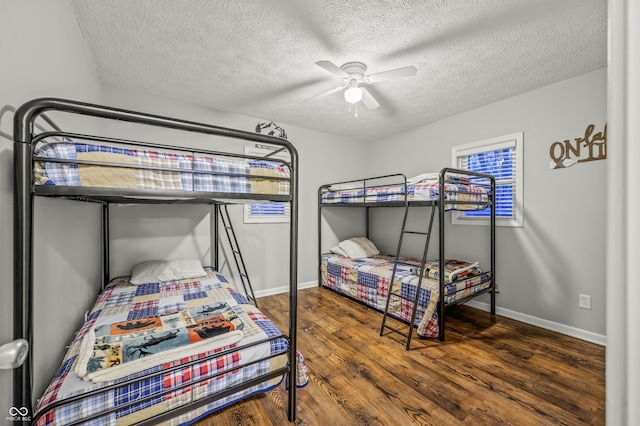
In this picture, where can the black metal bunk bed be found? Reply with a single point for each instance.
(25, 140)
(395, 191)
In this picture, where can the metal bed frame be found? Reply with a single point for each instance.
(404, 202)
(25, 139)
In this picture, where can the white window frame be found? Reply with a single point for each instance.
(250, 218)
(513, 140)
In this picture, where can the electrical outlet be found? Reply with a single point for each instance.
(584, 301)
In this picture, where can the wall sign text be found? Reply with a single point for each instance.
(590, 147)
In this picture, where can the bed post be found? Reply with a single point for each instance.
(105, 245)
(214, 243)
(493, 245)
(319, 236)
(293, 284)
(22, 255)
(441, 210)
(367, 220)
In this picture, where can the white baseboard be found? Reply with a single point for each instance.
(578, 333)
(285, 289)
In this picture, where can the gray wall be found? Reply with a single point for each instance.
(560, 251)
(43, 54)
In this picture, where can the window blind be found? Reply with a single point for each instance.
(500, 157)
(502, 165)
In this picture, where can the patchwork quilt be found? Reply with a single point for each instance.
(367, 280)
(460, 190)
(167, 335)
(145, 169)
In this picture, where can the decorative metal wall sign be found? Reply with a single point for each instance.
(594, 143)
(271, 129)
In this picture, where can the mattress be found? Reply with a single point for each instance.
(85, 164)
(244, 344)
(424, 189)
(367, 281)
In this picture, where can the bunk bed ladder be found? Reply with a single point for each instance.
(413, 300)
(237, 256)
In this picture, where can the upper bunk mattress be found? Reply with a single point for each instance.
(105, 166)
(134, 331)
(422, 188)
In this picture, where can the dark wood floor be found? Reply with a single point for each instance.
(490, 370)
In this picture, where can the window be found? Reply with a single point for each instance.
(266, 212)
(502, 158)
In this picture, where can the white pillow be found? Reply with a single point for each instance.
(358, 247)
(338, 250)
(154, 271)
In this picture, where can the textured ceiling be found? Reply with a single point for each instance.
(257, 57)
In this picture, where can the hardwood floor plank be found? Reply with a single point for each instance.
(490, 370)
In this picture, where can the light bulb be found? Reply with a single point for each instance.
(353, 94)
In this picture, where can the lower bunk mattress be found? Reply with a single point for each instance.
(169, 336)
(367, 281)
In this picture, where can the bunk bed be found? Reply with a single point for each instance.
(355, 268)
(193, 341)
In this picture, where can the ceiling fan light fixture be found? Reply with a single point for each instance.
(352, 75)
(353, 94)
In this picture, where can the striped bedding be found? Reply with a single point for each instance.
(145, 169)
(122, 301)
(367, 280)
(425, 190)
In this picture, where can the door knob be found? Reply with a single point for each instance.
(13, 354)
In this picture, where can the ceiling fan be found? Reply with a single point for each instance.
(353, 78)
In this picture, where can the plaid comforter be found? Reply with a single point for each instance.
(144, 169)
(122, 301)
(422, 191)
(367, 280)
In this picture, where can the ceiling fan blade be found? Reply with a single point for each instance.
(332, 68)
(328, 92)
(393, 74)
(368, 100)
(304, 15)
(511, 15)
(257, 98)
